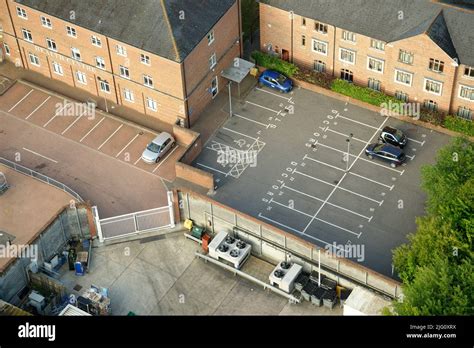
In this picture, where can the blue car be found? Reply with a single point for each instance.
(274, 79)
(392, 154)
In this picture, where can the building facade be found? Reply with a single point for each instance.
(416, 51)
(162, 58)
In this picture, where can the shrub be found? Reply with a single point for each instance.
(432, 116)
(460, 125)
(362, 93)
(314, 77)
(274, 63)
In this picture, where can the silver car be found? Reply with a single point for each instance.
(158, 148)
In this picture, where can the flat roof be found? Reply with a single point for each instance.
(365, 301)
(27, 208)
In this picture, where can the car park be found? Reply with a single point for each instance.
(393, 136)
(275, 80)
(392, 154)
(158, 148)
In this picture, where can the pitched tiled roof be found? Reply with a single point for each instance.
(451, 28)
(168, 28)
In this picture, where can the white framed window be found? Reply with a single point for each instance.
(214, 87)
(319, 66)
(51, 44)
(466, 92)
(212, 61)
(128, 95)
(347, 75)
(374, 84)
(46, 22)
(469, 71)
(100, 62)
(377, 44)
(432, 86)
(27, 35)
(348, 36)
(375, 64)
(96, 41)
(430, 105)
(465, 113)
(81, 77)
(34, 59)
(403, 77)
(436, 65)
(320, 27)
(21, 12)
(104, 86)
(347, 56)
(75, 53)
(210, 38)
(58, 69)
(121, 51)
(401, 96)
(320, 47)
(124, 72)
(145, 59)
(148, 81)
(71, 31)
(7, 49)
(151, 104)
(405, 57)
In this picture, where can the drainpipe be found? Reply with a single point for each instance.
(454, 89)
(292, 16)
(334, 54)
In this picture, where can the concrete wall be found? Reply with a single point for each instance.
(275, 245)
(70, 223)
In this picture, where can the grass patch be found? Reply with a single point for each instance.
(460, 125)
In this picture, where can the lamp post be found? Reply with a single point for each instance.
(230, 98)
(348, 150)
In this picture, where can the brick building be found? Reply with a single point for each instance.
(419, 51)
(162, 58)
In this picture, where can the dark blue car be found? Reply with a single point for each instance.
(392, 154)
(274, 79)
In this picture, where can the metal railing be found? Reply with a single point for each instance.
(41, 177)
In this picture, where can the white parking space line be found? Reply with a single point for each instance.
(18, 103)
(410, 157)
(297, 231)
(110, 137)
(39, 106)
(164, 159)
(339, 187)
(214, 169)
(276, 95)
(329, 223)
(249, 119)
(357, 157)
(89, 132)
(358, 122)
(233, 131)
(72, 124)
(139, 158)
(223, 146)
(263, 107)
(131, 141)
(329, 203)
(239, 162)
(371, 180)
(323, 163)
(55, 115)
(417, 141)
(40, 155)
(345, 135)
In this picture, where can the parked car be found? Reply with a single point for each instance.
(158, 148)
(274, 79)
(393, 136)
(392, 154)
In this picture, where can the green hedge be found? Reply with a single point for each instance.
(460, 125)
(362, 93)
(274, 63)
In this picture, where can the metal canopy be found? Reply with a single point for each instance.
(239, 69)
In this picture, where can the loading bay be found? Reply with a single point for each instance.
(282, 159)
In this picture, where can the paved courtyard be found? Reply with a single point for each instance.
(282, 159)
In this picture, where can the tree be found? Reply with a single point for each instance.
(437, 265)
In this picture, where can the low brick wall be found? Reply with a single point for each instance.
(194, 175)
(184, 136)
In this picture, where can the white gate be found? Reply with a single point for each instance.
(135, 223)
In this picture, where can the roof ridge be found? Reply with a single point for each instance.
(168, 23)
